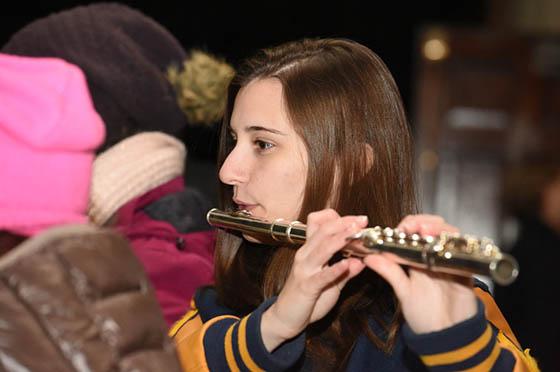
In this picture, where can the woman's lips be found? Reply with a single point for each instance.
(244, 206)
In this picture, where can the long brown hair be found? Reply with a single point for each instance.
(343, 102)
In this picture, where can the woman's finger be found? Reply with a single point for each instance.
(412, 222)
(355, 266)
(424, 224)
(316, 219)
(328, 276)
(392, 272)
(331, 238)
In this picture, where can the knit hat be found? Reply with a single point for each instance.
(125, 56)
(49, 131)
(131, 168)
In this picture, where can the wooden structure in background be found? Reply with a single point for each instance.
(487, 107)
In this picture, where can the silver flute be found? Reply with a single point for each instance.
(451, 253)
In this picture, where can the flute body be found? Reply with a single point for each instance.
(456, 254)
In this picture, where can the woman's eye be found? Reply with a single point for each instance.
(263, 145)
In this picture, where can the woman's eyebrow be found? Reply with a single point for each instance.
(258, 128)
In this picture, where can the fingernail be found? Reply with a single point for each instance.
(362, 219)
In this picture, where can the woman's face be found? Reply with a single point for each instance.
(268, 165)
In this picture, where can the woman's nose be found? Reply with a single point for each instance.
(234, 171)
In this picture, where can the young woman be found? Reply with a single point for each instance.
(315, 131)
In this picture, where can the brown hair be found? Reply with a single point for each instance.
(339, 97)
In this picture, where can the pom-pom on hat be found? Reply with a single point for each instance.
(49, 131)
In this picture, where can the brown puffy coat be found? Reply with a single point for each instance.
(76, 299)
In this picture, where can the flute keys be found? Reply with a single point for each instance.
(415, 239)
(370, 236)
(488, 247)
(388, 232)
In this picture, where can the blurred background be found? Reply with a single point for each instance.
(481, 84)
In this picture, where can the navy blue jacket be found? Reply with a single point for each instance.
(211, 338)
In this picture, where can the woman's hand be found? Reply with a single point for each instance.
(430, 301)
(313, 287)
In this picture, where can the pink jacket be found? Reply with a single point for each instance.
(177, 262)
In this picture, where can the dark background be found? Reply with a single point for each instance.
(234, 30)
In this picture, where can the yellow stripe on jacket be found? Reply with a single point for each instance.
(243, 350)
(189, 340)
(506, 338)
(460, 354)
